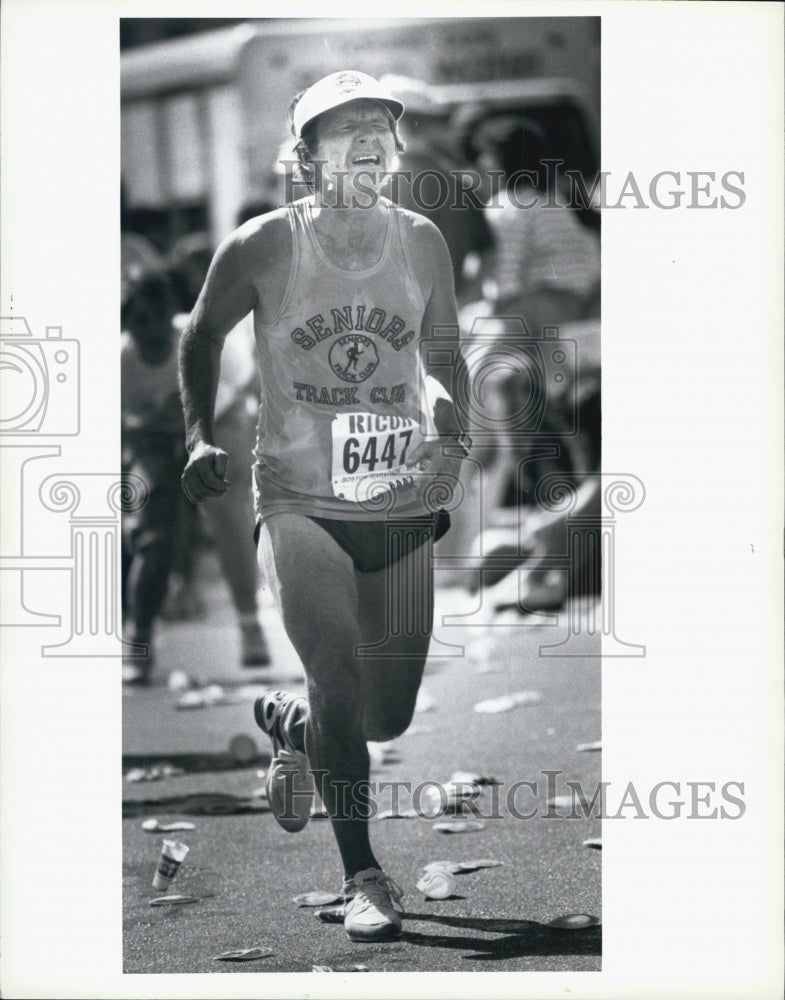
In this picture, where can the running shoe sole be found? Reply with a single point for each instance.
(289, 782)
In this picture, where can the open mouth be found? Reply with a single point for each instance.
(367, 160)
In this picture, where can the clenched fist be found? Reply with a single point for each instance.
(204, 477)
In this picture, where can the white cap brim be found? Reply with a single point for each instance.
(340, 88)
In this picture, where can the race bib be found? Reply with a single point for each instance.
(369, 454)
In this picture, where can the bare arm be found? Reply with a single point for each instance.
(439, 345)
(227, 296)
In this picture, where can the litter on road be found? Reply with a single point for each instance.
(491, 667)
(468, 866)
(468, 777)
(397, 814)
(589, 747)
(437, 799)
(172, 856)
(492, 706)
(561, 802)
(448, 866)
(340, 968)
(594, 842)
(425, 702)
(382, 753)
(172, 900)
(437, 884)
(153, 773)
(179, 681)
(575, 921)
(246, 955)
(316, 898)
(153, 826)
(473, 778)
(205, 697)
(481, 650)
(459, 826)
(421, 730)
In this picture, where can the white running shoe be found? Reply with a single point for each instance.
(370, 909)
(289, 782)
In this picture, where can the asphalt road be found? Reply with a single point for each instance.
(244, 870)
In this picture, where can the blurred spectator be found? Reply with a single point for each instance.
(230, 521)
(188, 261)
(530, 545)
(547, 263)
(153, 449)
(434, 189)
(270, 194)
(137, 254)
(547, 272)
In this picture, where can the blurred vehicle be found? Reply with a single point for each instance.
(556, 108)
(202, 116)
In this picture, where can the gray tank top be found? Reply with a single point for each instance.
(342, 384)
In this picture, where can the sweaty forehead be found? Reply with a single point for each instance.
(360, 111)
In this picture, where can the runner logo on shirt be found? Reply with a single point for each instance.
(353, 358)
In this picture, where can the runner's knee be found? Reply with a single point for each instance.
(327, 650)
(388, 723)
(335, 710)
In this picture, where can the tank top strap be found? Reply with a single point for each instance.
(402, 246)
(296, 227)
(305, 222)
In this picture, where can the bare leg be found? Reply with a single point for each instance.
(396, 620)
(329, 611)
(150, 533)
(231, 522)
(231, 517)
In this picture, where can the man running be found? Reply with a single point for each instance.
(353, 354)
(344, 287)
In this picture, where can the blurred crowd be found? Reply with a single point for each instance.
(518, 272)
(164, 539)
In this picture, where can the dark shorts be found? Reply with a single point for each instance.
(372, 545)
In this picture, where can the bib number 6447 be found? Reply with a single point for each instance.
(372, 452)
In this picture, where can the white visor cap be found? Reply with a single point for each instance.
(339, 88)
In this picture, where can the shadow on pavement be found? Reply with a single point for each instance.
(521, 938)
(199, 804)
(194, 763)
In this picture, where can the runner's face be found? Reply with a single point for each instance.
(355, 139)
